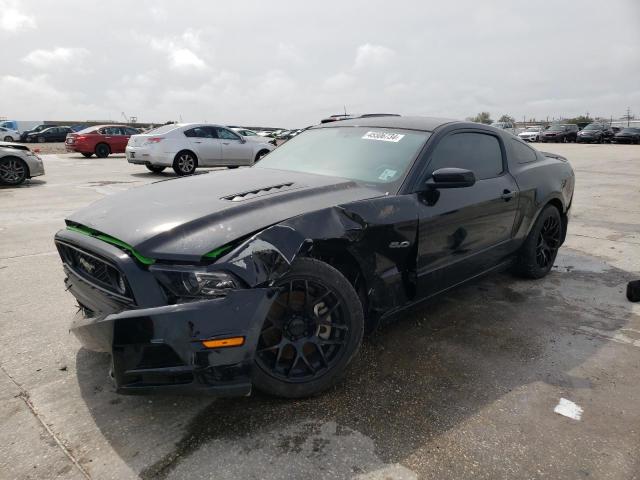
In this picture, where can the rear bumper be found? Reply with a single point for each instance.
(147, 156)
(157, 347)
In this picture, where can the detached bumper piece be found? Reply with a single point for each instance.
(165, 348)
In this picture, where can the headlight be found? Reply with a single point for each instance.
(191, 282)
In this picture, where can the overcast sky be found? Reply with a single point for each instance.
(291, 63)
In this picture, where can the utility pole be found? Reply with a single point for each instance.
(628, 117)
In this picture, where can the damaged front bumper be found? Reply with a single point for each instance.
(157, 347)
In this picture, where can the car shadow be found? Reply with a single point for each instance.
(29, 183)
(413, 380)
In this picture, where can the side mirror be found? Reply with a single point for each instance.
(451, 178)
(242, 140)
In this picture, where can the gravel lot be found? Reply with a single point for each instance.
(464, 387)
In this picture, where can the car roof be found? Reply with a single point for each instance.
(427, 124)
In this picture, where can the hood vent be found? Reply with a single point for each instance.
(238, 197)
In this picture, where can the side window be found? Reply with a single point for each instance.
(477, 152)
(201, 132)
(227, 134)
(131, 131)
(523, 153)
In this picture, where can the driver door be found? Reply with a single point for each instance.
(464, 232)
(235, 150)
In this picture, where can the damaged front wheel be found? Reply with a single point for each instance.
(312, 332)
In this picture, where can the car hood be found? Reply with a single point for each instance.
(185, 218)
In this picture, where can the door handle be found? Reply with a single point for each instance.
(195, 141)
(507, 195)
(225, 143)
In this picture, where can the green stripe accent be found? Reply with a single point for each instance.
(113, 241)
(218, 251)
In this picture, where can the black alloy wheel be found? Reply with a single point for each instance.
(538, 252)
(548, 242)
(13, 171)
(312, 331)
(42, 139)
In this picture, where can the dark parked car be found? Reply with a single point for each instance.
(39, 128)
(595, 133)
(560, 133)
(51, 134)
(627, 135)
(269, 276)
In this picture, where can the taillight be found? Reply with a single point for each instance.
(154, 139)
(81, 137)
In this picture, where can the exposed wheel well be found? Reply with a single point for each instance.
(339, 258)
(260, 153)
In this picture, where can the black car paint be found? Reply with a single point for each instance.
(49, 134)
(568, 134)
(445, 237)
(600, 134)
(627, 136)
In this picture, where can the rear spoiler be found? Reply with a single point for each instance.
(554, 155)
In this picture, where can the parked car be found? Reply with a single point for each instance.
(531, 134)
(250, 135)
(36, 129)
(627, 135)
(268, 276)
(102, 140)
(19, 125)
(186, 147)
(595, 133)
(560, 133)
(51, 134)
(508, 126)
(9, 135)
(17, 163)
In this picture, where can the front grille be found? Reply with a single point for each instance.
(95, 270)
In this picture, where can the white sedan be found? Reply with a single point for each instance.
(9, 135)
(186, 147)
(531, 134)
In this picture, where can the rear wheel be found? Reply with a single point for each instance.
(539, 250)
(312, 332)
(41, 139)
(185, 163)
(87, 154)
(155, 168)
(8, 139)
(102, 150)
(13, 171)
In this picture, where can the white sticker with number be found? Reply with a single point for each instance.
(383, 136)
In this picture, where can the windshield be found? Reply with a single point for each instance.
(533, 129)
(630, 130)
(366, 154)
(593, 127)
(556, 128)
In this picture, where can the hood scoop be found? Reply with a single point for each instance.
(239, 197)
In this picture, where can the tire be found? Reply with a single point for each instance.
(260, 154)
(317, 314)
(185, 163)
(102, 150)
(231, 167)
(13, 171)
(41, 139)
(8, 139)
(87, 154)
(539, 250)
(155, 168)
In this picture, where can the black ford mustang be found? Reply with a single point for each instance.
(269, 276)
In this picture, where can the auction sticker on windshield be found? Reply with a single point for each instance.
(383, 136)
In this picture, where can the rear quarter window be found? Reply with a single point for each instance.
(523, 153)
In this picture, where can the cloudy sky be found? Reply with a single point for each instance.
(290, 63)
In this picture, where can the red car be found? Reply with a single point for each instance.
(100, 139)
